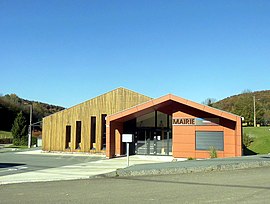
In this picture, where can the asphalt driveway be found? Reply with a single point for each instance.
(34, 166)
(18, 162)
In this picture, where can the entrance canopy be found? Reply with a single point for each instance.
(168, 104)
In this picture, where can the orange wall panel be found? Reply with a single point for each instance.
(188, 139)
(229, 139)
(238, 149)
(183, 154)
(238, 140)
(229, 131)
(179, 130)
(184, 137)
(209, 128)
(229, 155)
(118, 130)
(202, 154)
(184, 147)
(206, 154)
(229, 149)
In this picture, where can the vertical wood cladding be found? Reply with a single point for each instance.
(54, 126)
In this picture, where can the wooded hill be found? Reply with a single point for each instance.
(243, 105)
(11, 105)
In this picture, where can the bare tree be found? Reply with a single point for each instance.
(209, 101)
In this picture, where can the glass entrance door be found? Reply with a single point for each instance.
(142, 142)
(163, 141)
(153, 142)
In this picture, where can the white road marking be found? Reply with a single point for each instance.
(14, 169)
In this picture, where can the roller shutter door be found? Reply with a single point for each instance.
(207, 139)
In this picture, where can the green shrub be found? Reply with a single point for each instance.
(19, 130)
(16, 141)
(212, 152)
(6, 141)
(33, 141)
(5, 135)
(247, 139)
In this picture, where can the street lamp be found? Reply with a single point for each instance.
(254, 109)
(30, 125)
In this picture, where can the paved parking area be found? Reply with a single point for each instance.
(34, 166)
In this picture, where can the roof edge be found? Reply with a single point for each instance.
(119, 88)
(211, 110)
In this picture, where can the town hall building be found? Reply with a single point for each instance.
(169, 125)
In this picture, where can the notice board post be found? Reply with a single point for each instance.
(127, 138)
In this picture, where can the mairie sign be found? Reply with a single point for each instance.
(196, 121)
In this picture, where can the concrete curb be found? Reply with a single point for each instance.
(183, 170)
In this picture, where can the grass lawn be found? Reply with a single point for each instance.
(17, 147)
(5, 134)
(8, 135)
(261, 144)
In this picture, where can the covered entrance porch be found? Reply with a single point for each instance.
(152, 134)
(151, 125)
(171, 125)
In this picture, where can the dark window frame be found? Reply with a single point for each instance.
(68, 136)
(78, 134)
(103, 131)
(93, 127)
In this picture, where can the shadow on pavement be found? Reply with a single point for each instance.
(265, 157)
(248, 152)
(194, 183)
(9, 165)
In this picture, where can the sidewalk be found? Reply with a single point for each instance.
(193, 166)
(3, 148)
(79, 171)
(139, 166)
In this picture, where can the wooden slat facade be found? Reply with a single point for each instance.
(54, 126)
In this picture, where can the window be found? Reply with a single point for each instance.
(103, 131)
(207, 139)
(78, 134)
(92, 132)
(147, 120)
(154, 119)
(68, 136)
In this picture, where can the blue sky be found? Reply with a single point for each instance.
(64, 52)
